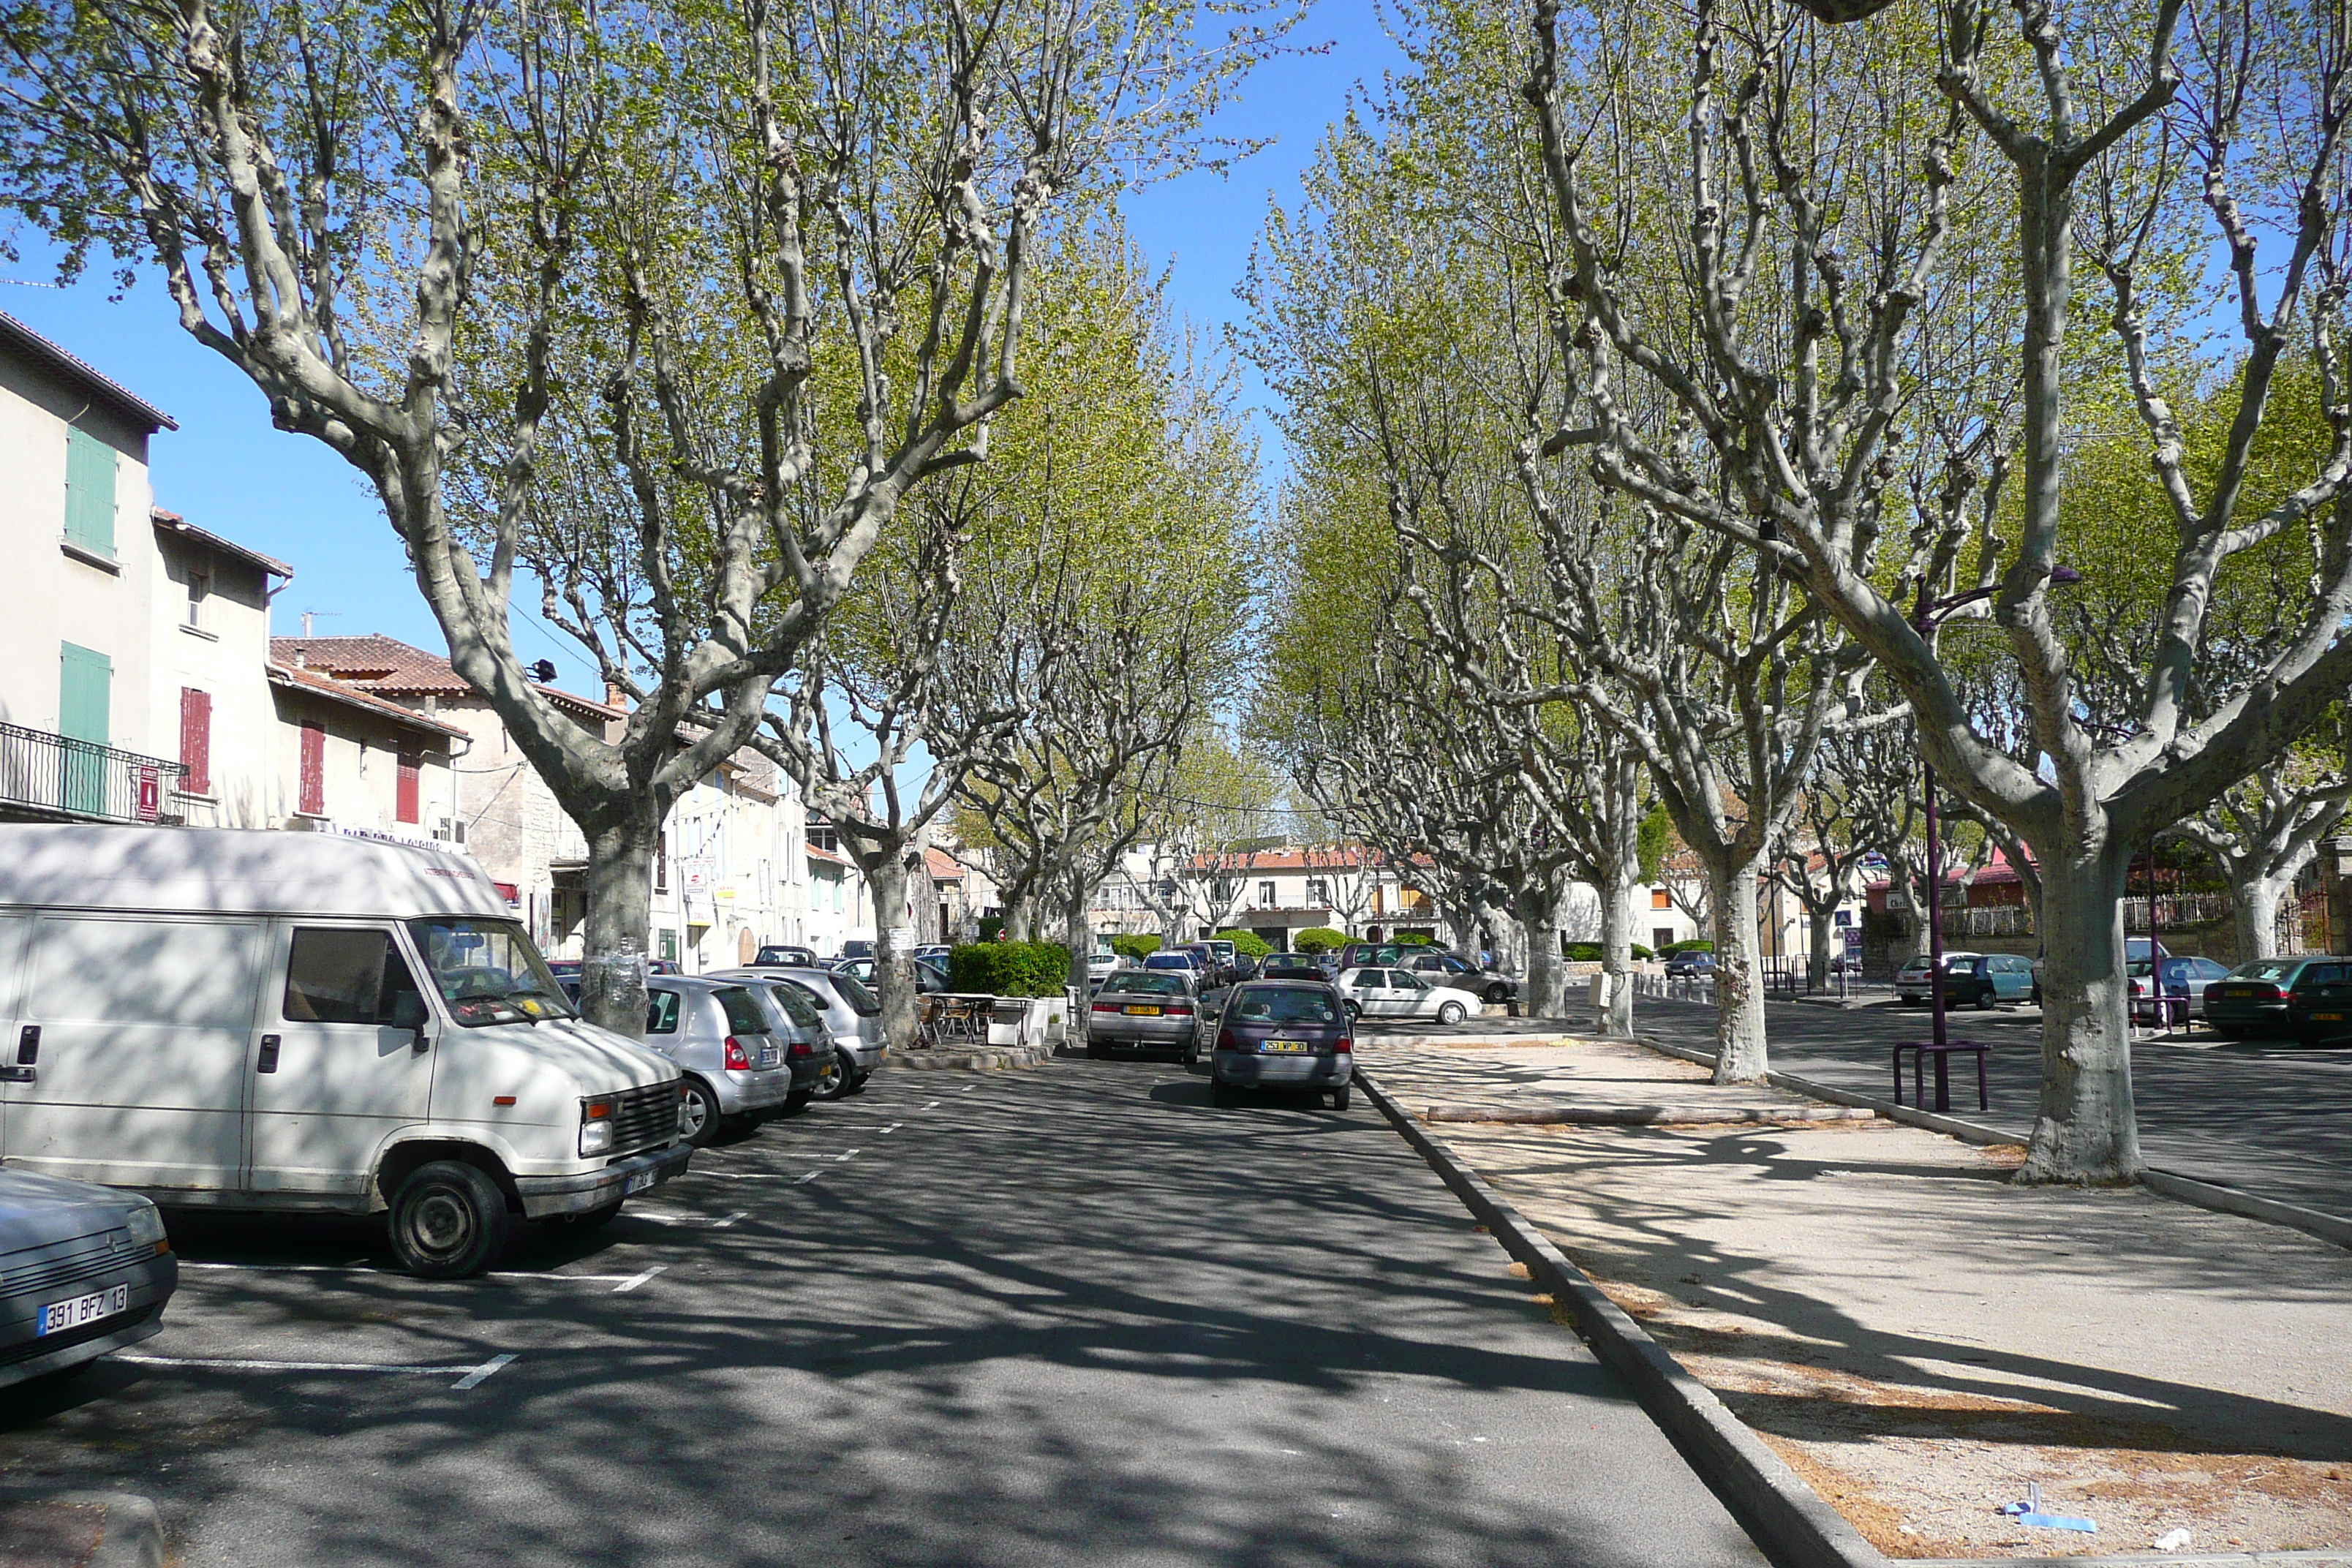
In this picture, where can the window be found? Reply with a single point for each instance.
(1661, 936)
(403, 805)
(661, 1011)
(85, 691)
(743, 1014)
(197, 740)
(1661, 900)
(311, 794)
(1265, 894)
(487, 972)
(347, 977)
(200, 588)
(821, 836)
(1318, 893)
(90, 493)
(661, 861)
(1287, 1004)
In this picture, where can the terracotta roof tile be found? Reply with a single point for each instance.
(395, 668)
(341, 691)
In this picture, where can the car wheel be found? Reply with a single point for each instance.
(831, 1079)
(1450, 1013)
(1340, 1098)
(449, 1221)
(1224, 1096)
(855, 1083)
(1986, 999)
(1355, 1010)
(697, 1113)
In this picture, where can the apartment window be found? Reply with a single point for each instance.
(1318, 893)
(1661, 936)
(312, 798)
(85, 712)
(404, 791)
(90, 493)
(821, 836)
(1265, 894)
(200, 588)
(197, 740)
(661, 861)
(1661, 900)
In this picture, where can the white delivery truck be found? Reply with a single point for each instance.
(264, 1020)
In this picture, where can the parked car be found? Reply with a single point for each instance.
(257, 1020)
(84, 1270)
(1211, 969)
(1292, 967)
(568, 971)
(1384, 993)
(1691, 961)
(735, 1068)
(1175, 958)
(809, 1051)
(2307, 998)
(1284, 1034)
(2184, 979)
(1970, 979)
(2136, 950)
(1367, 954)
(1224, 955)
(857, 947)
(936, 952)
(1099, 964)
(1453, 969)
(784, 956)
(852, 1013)
(1139, 1009)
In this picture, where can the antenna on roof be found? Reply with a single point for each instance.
(308, 614)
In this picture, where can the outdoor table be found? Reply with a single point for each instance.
(1920, 1051)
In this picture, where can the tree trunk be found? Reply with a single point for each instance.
(1740, 1054)
(1078, 935)
(1617, 955)
(1819, 919)
(2086, 1132)
(620, 915)
(894, 970)
(2254, 901)
(1547, 988)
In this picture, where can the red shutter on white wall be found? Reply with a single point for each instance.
(197, 740)
(405, 791)
(313, 798)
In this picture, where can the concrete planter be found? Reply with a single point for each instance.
(1032, 1021)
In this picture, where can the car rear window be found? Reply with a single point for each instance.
(2270, 970)
(796, 1005)
(661, 1011)
(743, 1014)
(1149, 984)
(854, 991)
(1286, 1005)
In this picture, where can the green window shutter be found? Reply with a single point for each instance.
(84, 689)
(90, 493)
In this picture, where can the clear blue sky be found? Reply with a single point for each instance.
(228, 470)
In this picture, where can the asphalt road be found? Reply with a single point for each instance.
(1070, 1315)
(2264, 1116)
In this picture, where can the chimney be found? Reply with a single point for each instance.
(301, 659)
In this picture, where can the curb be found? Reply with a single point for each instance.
(133, 1531)
(1645, 1115)
(996, 1058)
(2190, 1190)
(1786, 1517)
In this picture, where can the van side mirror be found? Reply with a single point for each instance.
(408, 1011)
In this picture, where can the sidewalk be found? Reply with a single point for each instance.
(1920, 1340)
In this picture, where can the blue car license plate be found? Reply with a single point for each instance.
(59, 1316)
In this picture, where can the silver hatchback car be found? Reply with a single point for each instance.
(851, 1011)
(732, 1067)
(1145, 1009)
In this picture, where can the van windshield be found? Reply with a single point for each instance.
(487, 972)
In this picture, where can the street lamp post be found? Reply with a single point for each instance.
(1928, 616)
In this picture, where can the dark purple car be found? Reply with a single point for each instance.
(1283, 1033)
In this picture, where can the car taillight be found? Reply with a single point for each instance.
(799, 1048)
(1105, 1007)
(1179, 1009)
(1346, 1044)
(738, 1058)
(1225, 1041)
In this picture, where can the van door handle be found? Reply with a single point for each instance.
(268, 1062)
(18, 1075)
(29, 1046)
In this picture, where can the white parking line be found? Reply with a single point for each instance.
(838, 1158)
(634, 1280)
(929, 1104)
(811, 1176)
(894, 1127)
(468, 1376)
(376, 1268)
(744, 1175)
(730, 1219)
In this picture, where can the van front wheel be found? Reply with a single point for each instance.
(449, 1221)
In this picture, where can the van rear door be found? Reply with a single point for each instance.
(138, 1076)
(335, 1064)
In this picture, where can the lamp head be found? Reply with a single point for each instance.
(2062, 575)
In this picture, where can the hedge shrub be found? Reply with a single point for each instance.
(1137, 948)
(1590, 953)
(1321, 938)
(1696, 944)
(1008, 968)
(1246, 944)
(1642, 953)
(1413, 939)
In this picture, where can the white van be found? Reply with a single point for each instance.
(235, 1019)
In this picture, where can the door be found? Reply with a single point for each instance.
(335, 1066)
(85, 712)
(1408, 994)
(136, 1077)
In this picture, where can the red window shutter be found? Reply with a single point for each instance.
(313, 799)
(197, 740)
(405, 794)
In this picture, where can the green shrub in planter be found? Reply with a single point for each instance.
(1246, 944)
(1414, 938)
(1137, 948)
(1584, 953)
(1643, 954)
(1696, 944)
(1008, 968)
(1321, 938)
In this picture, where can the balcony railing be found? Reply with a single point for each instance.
(51, 776)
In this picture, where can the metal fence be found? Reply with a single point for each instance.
(81, 780)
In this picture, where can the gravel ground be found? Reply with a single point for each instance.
(1921, 1339)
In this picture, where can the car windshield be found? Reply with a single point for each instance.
(1149, 985)
(783, 957)
(1168, 961)
(861, 1001)
(2271, 969)
(1286, 1005)
(487, 972)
